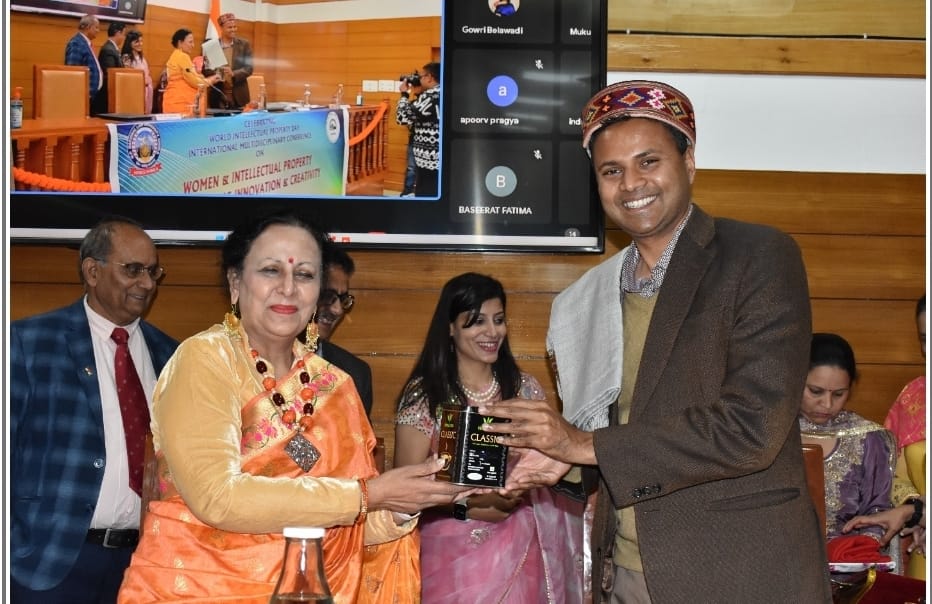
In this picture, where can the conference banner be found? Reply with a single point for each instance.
(253, 153)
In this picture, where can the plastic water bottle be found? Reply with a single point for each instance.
(302, 578)
(307, 95)
(16, 108)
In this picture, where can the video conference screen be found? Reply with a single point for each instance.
(512, 173)
(133, 11)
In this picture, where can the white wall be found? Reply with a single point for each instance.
(805, 123)
(748, 122)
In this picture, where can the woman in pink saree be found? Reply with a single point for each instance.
(254, 432)
(485, 548)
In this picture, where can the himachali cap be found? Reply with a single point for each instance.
(639, 98)
(225, 17)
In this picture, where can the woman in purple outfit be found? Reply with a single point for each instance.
(859, 455)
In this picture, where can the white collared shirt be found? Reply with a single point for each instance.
(100, 80)
(117, 505)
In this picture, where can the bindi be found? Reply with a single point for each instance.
(290, 260)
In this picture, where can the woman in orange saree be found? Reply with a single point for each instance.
(243, 452)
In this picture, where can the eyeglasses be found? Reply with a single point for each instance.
(134, 270)
(329, 296)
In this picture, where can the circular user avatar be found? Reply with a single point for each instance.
(502, 91)
(501, 181)
(504, 8)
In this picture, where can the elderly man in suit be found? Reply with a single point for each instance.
(233, 90)
(109, 56)
(332, 305)
(76, 437)
(680, 361)
(80, 51)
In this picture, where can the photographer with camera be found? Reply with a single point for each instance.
(422, 116)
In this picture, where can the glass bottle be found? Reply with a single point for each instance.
(307, 95)
(262, 97)
(201, 100)
(302, 578)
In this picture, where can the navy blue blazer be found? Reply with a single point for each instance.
(79, 52)
(57, 439)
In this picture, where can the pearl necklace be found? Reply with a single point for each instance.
(482, 397)
(302, 400)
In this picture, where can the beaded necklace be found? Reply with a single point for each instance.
(485, 396)
(302, 400)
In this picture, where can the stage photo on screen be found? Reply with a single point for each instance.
(511, 175)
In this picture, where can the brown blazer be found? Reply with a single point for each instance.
(241, 64)
(711, 456)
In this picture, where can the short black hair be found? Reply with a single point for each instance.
(180, 35)
(335, 255)
(115, 28)
(434, 70)
(832, 350)
(240, 240)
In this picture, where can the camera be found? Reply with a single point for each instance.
(413, 79)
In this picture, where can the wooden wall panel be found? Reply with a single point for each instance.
(817, 18)
(865, 261)
(785, 56)
(862, 236)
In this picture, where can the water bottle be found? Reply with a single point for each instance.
(16, 108)
(201, 100)
(262, 98)
(302, 578)
(307, 95)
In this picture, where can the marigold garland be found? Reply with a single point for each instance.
(49, 183)
(371, 126)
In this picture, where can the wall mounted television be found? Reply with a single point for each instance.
(513, 176)
(133, 11)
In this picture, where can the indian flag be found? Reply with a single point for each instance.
(213, 28)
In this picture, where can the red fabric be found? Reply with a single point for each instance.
(894, 589)
(855, 548)
(133, 407)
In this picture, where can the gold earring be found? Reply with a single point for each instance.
(234, 308)
(310, 334)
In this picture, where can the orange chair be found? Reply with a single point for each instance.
(61, 91)
(815, 480)
(126, 90)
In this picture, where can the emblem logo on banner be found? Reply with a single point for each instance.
(144, 145)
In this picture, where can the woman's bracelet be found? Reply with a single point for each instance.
(918, 510)
(363, 500)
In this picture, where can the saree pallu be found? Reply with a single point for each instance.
(182, 559)
(533, 556)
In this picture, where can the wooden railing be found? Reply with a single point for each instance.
(69, 148)
(368, 151)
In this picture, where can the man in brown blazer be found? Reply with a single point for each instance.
(233, 90)
(681, 362)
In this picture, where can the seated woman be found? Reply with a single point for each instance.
(859, 455)
(184, 81)
(254, 432)
(487, 548)
(907, 421)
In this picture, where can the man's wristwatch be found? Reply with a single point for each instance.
(918, 510)
(460, 510)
